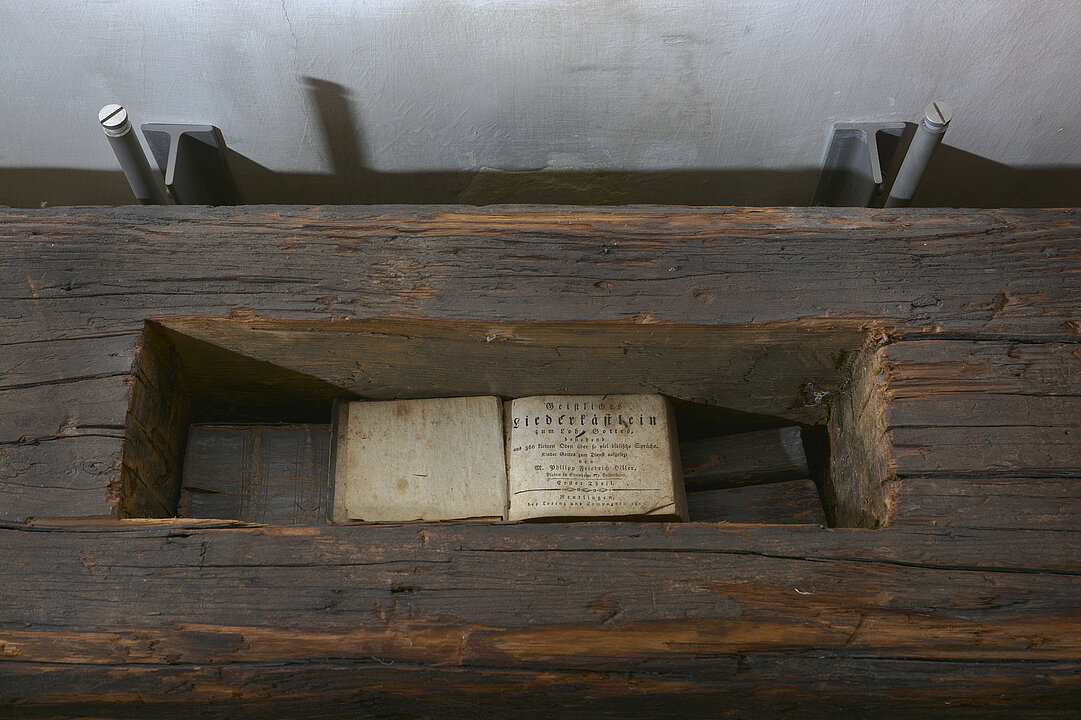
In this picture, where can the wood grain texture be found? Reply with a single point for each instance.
(156, 427)
(750, 685)
(964, 605)
(764, 368)
(927, 368)
(975, 409)
(1007, 503)
(274, 474)
(855, 483)
(789, 502)
(764, 456)
(666, 264)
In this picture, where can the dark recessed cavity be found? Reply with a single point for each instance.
(778, 423)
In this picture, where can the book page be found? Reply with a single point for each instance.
(596, 456)
(435, 459)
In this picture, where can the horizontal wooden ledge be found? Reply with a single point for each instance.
(1037, 551)
(724, 265)
(614, 643)
(794, 685)
(942, 223)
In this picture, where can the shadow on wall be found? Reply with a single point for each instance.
(955, 178)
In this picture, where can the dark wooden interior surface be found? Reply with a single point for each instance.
(279, 474)
(763, 456)
(269, 474)
(967, 604)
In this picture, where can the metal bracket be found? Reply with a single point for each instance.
(855, 161)
(192, 159)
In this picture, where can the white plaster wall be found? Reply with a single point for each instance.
(462, 85)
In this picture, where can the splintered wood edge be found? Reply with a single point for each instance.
(158, 410)
(857, 489)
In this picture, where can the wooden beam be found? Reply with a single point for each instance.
(967, 596)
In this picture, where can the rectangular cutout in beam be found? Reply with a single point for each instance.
(722, 380)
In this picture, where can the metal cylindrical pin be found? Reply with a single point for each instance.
(936, 119)
(114, 120)
(129, 153)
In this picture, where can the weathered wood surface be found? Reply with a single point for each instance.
(774, 455)
(273, 474)
(967, 605)
(280, 475)
(748, 685)
(673, 608)
(785, 503)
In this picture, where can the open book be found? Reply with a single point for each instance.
(543, 457)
